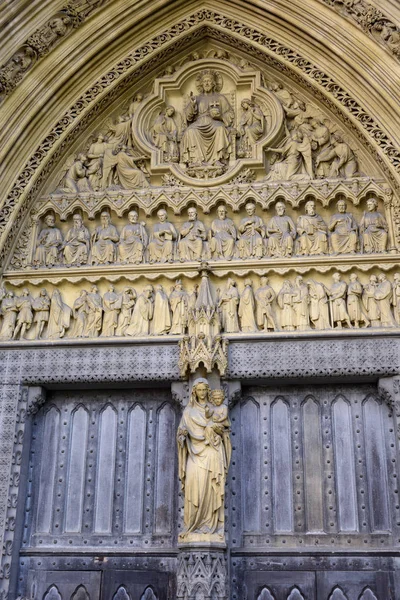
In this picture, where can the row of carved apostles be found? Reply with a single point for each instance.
(298, 306)
(280, 237)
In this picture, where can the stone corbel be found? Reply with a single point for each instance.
(36, 399)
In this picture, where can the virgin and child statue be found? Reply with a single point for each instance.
(204, 453)
(209, 117)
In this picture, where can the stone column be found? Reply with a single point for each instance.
(202, 570)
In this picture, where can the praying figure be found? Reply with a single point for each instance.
(228, 302)
(104, 241)
(265, 314)
(142, 314)
(247, 307)
(178, 301)
(251, 127)
(166, 132)
(206, 140)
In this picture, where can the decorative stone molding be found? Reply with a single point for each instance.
(202, 23)
(42, 41)
(372, 21)
(202, 572)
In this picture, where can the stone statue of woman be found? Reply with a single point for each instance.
(204, 451)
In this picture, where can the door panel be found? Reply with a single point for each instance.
(65, 585)
(280, 585)
(353, 584)
(133, 585)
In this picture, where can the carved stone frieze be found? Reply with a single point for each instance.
(202, 572)
(226, 29)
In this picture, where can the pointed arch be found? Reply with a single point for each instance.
(148, 594)
(80, 593)
(367, 594)
(52, 594)
(296, 594)
(338, 594)
(265, 594)
(122, 594)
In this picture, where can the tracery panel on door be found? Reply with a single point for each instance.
(101, 469)
(313, 466)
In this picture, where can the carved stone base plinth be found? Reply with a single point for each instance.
(202, 573)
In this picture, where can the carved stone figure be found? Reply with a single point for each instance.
(119, 135)
(251, 234)
(77, 243)
(204, 489)
(192, 238)
(301, 301)
(192, 298)
(354, 303)
(247, 308)
(251, 127)
(179, 306)
(161, 246)
(384, 297)
(41, 307)
(321, 137)
(95, 157)
(104, 240)
(142, 314)
(206, 141)
(265, 314)
(134, 105)
(167, 131)
(128, 299)
(396, 297)
(370, 302)
(59, 317)
(312, 231)
(76, 175)
(133, 240)
(128, 173)
(341, 157)
(9, 311)
(319, 305)
(48, 244)
(162, 312)
(343, 228)
(228, 303)
(337, 295)
(222, 235)
(373, 229)
(281, 233)
(111, 308)
(94, 313)
(25, 314)
(296, 163)
(80, 312)
(285, 303)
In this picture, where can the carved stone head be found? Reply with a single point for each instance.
(280, 208)
(162, 215)
(372, 204)
(192, 214)
(310, 208)
(250, 208)
(133, 216)
(221, 212)
(341, 205)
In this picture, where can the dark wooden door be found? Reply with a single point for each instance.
(135, 585)
(270, 585)
(65, 585)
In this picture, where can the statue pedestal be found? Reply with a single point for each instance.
(202, 572)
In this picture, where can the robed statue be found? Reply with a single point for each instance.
(204, 452)
(209, 115)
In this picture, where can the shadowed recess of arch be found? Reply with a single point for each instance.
(265, 594)
(295, 594)
(53, 594)
(80, 594)
(148, 594)
(368, 594)
(121, 594)
(337, 594)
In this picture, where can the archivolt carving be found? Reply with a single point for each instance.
(315, 78)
